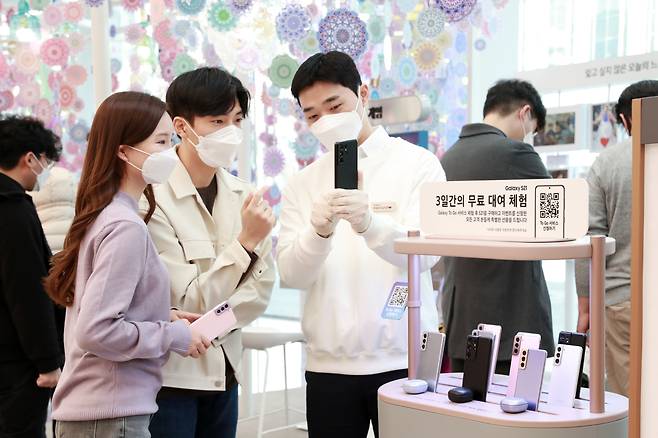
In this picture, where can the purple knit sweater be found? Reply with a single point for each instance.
(117, 335)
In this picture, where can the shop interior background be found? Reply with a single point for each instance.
(580, 54)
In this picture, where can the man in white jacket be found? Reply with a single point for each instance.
(339, 249)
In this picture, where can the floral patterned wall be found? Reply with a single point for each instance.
(402, 47)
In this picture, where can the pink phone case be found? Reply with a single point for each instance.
(217, 322)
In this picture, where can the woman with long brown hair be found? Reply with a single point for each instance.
(118, 332)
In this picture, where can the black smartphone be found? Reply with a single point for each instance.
(346, 174)
(476, 366)
(580, 340)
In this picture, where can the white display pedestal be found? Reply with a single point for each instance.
(433, 415)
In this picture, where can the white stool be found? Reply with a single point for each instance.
(262, 339)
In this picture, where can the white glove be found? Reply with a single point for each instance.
(353, 206)
(322, 218)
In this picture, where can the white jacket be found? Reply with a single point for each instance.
(55, 203)
(348, 277)
(205, 262)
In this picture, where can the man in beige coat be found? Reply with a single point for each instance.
(212, 232)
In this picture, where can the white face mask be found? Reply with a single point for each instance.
(528, 137)
(42, 177)
(158, 166)
(334, 128)
(219, 148)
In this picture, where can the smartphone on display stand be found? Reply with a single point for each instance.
(476, 365)
(431, 357)
(566, 372)
(531, 376)
(346, 174)
(217, 322)
(549, 212)
(496, 331)
(579, 339)
(522, 341)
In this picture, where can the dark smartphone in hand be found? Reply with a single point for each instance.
(345, 165)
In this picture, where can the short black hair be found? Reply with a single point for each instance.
(206, 91)
(638, 90)
(508, 95)
(20, 135)
(333, 67)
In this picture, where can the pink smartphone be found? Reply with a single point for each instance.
(217, 322)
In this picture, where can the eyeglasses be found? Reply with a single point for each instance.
(49, 163)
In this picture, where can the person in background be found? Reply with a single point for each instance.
(339, 250)
(512, 294)
(213, 234)
(610, 185)
(118, 333)
(31, 352)
(55, 203)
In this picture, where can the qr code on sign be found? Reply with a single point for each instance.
(549, 205)
(399, 297)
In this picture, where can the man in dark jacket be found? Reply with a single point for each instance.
(31, 351)
(512, 294)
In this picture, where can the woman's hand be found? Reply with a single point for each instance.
(175, 315)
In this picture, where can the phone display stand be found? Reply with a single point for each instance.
(599, 414)
(432, 414)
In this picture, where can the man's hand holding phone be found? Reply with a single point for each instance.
(352, 206)
(323, 219)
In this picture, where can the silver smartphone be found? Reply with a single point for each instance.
(496, 331)
(530, 376)
(522, 341)
(431, 358)
(565, 375)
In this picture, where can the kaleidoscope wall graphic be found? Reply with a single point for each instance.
(343, 30)
(400, 47)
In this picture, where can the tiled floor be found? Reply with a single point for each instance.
(249, 428)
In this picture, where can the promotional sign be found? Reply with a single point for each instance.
(541, 210)
(601, 72)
